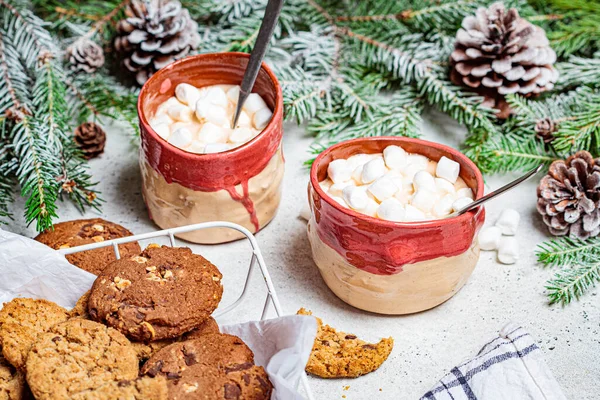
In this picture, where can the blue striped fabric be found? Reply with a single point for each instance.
(508, 367)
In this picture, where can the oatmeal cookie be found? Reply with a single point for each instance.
(160, 294)
(85, 231)
(342, 355)
(144, 388)
(12, 381)
(78, 356)
(22, 320)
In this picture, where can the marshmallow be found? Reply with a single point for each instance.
(190, 126)
(373, 170)
(196, 147)
(447, 169)
(180, 112)
(395, 157)
(412, 213)
(424, 180)
(383, 188)
(359, 159)
(418, 160)
(207, 112)
(339, 171)
(181, 137)
(326, 184)
(262, 118)
(161, 119)
(244, 120)
(357, 174)
(233, 94)
(215, 95)
(443, 206)
(508, 221)
(371, 208)
(424, 200)
(187, 94)
(443, 186)
(404, 194)
(411, 170)
(464, 192)
(163, 107)
(216, 147)
(211, 133)
(461, 203)
(357, 199)
(340, 201)
(254, 103)
(508, 250)
(337, 188)
(162, 129)
(305, 212)
(489, 238)
(240, 135)
(391, 210)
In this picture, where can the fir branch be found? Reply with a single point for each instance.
(582, 131)
(572, 282)
(578, 71)
(568, 251)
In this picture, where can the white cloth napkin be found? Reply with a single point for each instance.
(30, 269)
(510, 367)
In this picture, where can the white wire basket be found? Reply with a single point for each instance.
(256, 258)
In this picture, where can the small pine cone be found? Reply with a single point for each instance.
(569, 197)
(154, 34)
(545, 128)
(498, 53)
(85, 55)
(90, 138)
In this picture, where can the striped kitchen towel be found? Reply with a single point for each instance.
(510, 367)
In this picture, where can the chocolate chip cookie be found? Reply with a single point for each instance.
(22, 320)
(217, 349)
(144, 388)
(216, 366)
(12, 381)
(81, 307)
(147, 350)
(78, 356)
(162, 293)
(86, 231)
(342, 355)
(240, 382)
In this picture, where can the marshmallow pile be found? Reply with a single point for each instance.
(198, 120)
(501, 237)
(397, 186)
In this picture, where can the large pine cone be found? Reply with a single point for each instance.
(569, 196)
(498, 53)
(154, 34)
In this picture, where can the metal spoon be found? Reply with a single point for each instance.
(497, 192)
(258, 53)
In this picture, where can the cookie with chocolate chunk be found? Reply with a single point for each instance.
(342, 355)
(22, 320)
(160, 294)
(211, 349)
(216, 366)
(78, 356)
(239, 382)
(85, 231)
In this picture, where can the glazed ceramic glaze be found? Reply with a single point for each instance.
(242, 185)
(392, 267)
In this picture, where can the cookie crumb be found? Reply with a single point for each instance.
(346, 387)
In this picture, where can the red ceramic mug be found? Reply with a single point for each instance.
(242, 185)
(392, 267)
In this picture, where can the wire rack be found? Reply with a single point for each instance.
(256, 258)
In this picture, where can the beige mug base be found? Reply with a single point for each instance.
(418, 287)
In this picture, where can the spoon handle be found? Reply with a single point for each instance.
(499, 191)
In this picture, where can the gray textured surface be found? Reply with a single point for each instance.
(427, 344)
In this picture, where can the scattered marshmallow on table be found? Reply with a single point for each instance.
(489, 238)
(206, 114)
(508, 250)
(508, 221)
(397, 186)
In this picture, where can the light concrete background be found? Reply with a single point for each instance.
(428, 344)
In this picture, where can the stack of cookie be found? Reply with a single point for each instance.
(144, 331)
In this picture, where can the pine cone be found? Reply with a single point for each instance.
(569, 196)
(85, 55)
(545, 128)
(498, 53)
(90, 138)
(154, 34)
